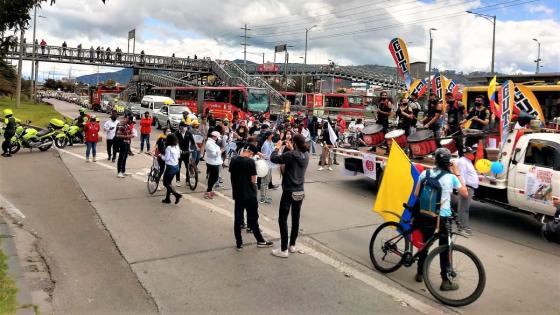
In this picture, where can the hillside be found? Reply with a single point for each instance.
(121, 76)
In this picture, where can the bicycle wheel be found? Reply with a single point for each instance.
(192, 176)
(387, 247)
(465, 270)
(153, 182)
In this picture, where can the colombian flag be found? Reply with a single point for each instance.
(397, 187)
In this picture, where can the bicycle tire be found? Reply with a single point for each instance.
(152, 182)
(403, 241)
(192, 176)
(435, 290)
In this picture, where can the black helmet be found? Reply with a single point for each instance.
(182, 124)
(443, 158)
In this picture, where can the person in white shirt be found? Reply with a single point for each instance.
(469, 175)
(171, 158)
(213, 162)
(110, 127)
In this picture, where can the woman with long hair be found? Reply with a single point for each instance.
(171, 158)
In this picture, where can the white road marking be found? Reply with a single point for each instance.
(10, 208)
(396, 294)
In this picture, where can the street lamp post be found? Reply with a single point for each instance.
(492, 19)
(430, 62)
(538, 61)
(305, 56)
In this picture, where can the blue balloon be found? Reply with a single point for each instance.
(497, 168)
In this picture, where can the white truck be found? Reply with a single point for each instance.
(530, 182)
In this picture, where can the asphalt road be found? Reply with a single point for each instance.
(188, 248)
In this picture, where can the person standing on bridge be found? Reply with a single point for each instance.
(108, 54)
(79, 50)
(97, 52)
(124, 135)
(118, 53)
(91, 54)
(295, 162)
(43, 46)
(64, 45)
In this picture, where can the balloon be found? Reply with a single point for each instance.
(483, 166)
(497, 168)
(262, 168)
(419, 168)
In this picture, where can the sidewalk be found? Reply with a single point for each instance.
(185, 258)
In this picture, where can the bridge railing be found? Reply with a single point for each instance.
(111, 58)
(275, 96)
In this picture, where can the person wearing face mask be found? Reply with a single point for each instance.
(455, 113)
(110, 127)
(435, 109)
(185, 142)
(145, 130)
(479, 116)
(406, 116)
(384, 109)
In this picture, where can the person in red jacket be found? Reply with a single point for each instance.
(91, 130)
(145, 130)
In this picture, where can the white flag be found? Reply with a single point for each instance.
(332, 135)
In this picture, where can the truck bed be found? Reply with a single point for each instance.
(382, 155)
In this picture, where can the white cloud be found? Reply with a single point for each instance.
(540, 8)
(211, 28)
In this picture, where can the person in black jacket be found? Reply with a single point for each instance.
(186, 139)
(313, 127)
(9, 132)
(295, 162)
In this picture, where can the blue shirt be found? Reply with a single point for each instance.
(448, 182)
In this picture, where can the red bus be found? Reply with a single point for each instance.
(268, 68)
(99, 98)
(314, 102)
(222, 101)
(339, 100)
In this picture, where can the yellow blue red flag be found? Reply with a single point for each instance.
(397, 187)
(526, 101)
(494, 107)
(397, 47)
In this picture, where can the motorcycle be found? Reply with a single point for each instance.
(28, 137)
(69, 134)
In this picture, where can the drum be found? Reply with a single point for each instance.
(397, 135)
(422, 143)
(373, 135)
(449, 144)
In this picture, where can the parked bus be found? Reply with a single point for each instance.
(314, 102)
(340, 100)
(222, 101)
(548, 96)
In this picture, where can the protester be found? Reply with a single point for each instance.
(455, 113)
(145, 130)
(159, 152)
(124, 136)
(295, 161)
(64, 45)
(110, 127)
(327, 145)
(479, 116)
(267, 149)
(91, 130)
(313, 127)
(9, 132)
(405, 115)
(384, 109)
(171, 158)
(416, 108)
(213, 162)
(431, 121)
(185, 140)
(243, 183)
(470, 176)
(449, 178)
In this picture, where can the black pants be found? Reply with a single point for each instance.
(458, 137)
(123, 155)
(427, 226)
(184, 159)
(111, 149)
(170, 171)
(161, 164)
(6, 144)
(287, 202)
(435, 130)
(213, 173)
(252, 207)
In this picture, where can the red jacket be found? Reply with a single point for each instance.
(146, 125)
(91, 129)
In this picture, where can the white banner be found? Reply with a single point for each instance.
(369, 166)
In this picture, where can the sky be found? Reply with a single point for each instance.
(347, 32)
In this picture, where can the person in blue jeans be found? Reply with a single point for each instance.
(171, 158)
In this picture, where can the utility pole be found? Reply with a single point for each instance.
(245, 37)
(305, 56)
(20, 60)
(430, 63)
(34, 54)
(538, 61)
(492, 19)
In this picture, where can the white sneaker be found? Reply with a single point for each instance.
(320, 168)
(330, 168)
(120, 175)
(280, 253)
(87, 160)
(178, 183)
(292, 249)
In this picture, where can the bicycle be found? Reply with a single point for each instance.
(391, 247)
(192, 171)
(153, 176)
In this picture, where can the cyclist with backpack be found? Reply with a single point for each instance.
(433, 195)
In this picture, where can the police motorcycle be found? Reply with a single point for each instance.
(29, 138)
(69, 134)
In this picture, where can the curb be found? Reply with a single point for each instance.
(15, 270)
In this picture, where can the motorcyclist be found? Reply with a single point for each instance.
(9, 132)
(80, 122)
